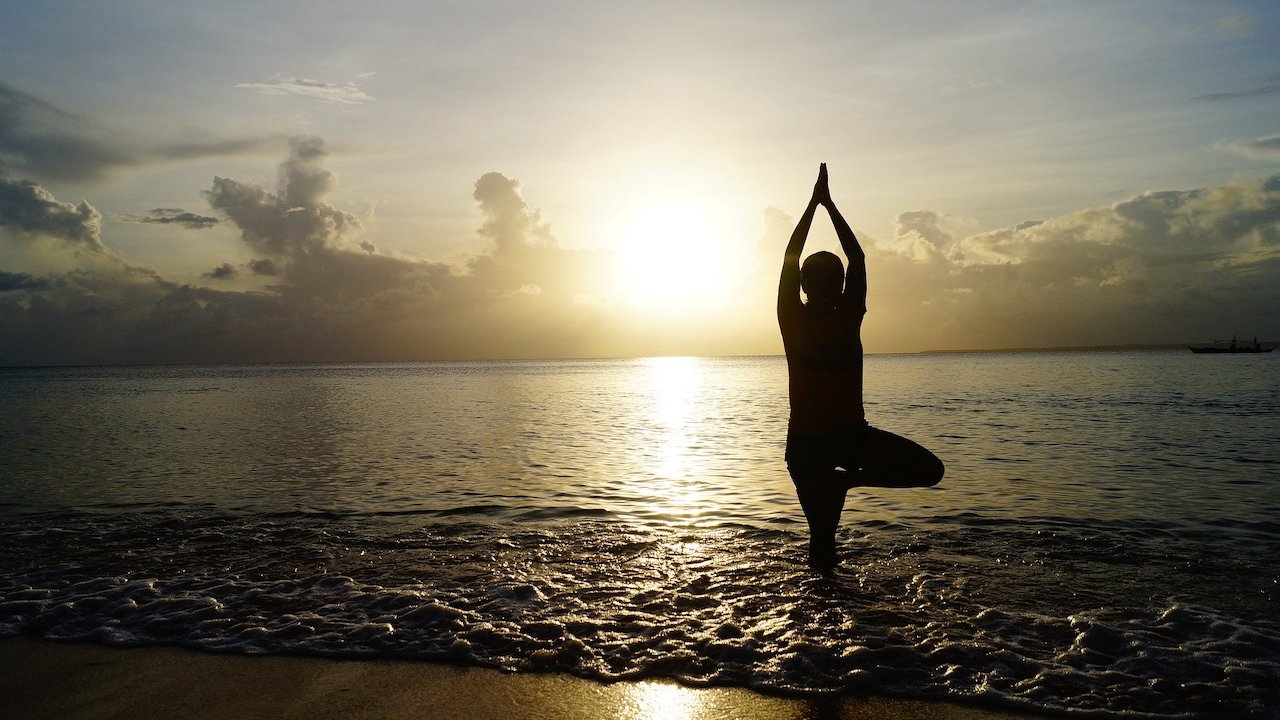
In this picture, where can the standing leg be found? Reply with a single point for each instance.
(821, 494)
(889, 460)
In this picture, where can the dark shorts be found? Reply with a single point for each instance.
(838, 448)
(868, 457)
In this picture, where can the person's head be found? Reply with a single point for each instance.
(822, 277)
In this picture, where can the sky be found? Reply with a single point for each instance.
(297, 182)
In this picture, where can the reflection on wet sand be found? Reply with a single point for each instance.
(44, 680)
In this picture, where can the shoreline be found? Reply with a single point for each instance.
(48, 679)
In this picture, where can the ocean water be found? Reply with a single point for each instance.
(1105, 540)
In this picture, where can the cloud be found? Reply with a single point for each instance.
(1164, 266)
(1270, 87)
(345, 94)
(294, 220)
(919, 235)
(265, 266)
(1267, 148)
(38, 139)
(171, 216)
(333, 296)
(209, 148)
(22, 281)
(225, 271)
(524, 252)
(29, 209)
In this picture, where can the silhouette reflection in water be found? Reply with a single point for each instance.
(830, 445)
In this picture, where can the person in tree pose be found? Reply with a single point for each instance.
(830, 446)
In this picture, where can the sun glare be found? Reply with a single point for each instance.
(673, 259)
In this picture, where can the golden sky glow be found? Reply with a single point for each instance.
(418, 181)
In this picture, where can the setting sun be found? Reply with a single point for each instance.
(673, 257)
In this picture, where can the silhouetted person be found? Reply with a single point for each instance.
(830, 446)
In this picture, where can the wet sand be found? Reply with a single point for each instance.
(40, 679)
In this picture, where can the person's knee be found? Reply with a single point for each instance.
(933, 471)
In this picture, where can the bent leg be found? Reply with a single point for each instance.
(889, 460)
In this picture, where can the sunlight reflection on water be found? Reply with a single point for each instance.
(672, 383)
(673, 386)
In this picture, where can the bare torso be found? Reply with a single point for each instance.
(824, 366)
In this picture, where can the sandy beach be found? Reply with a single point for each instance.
(41, 679)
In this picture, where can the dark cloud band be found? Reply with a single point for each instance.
(41, 141)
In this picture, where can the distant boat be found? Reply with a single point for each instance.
(1233, 348)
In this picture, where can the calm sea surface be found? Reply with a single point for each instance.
(1106, 537)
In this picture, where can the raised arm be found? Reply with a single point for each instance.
(789, 283)
(855, 278)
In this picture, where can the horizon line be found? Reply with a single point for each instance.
(1025, 349)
